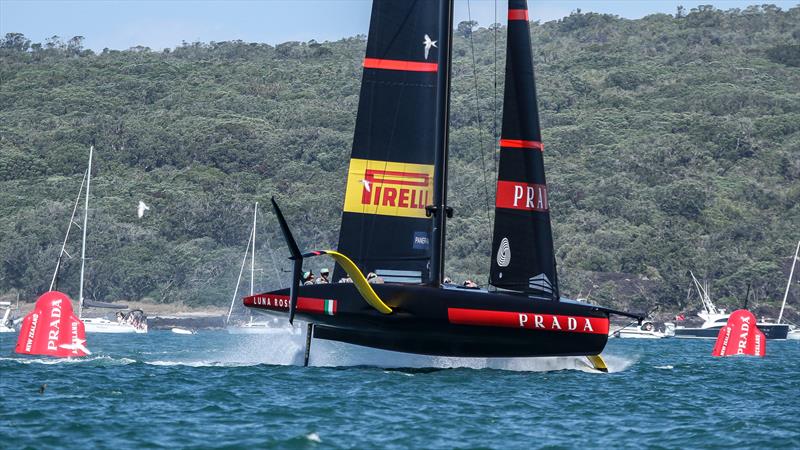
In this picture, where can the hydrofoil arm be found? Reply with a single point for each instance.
(364, 288)
(361, 283)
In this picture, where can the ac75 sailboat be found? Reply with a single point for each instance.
(395, 211)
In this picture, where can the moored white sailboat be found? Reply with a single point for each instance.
(794, 331)
(126, 322)
(251, 326)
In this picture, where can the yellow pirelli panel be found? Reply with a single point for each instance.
(388, 188)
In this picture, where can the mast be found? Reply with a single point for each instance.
(440, 208)
(54, 281)
(789, 282)
(239, 279)
(253, 259)
(83, 240)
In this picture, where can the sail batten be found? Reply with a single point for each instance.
(523, 257)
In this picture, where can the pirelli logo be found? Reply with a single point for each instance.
(388, 188)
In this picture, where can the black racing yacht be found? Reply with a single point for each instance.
(395, 211)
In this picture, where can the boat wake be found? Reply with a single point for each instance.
(99, 360)
(286, 349)
(337, 355)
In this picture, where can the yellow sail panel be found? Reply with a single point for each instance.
(388, 188)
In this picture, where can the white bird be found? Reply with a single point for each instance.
(142, 208)
(428, 44)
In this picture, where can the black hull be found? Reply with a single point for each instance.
(771, 332)
(447, 321)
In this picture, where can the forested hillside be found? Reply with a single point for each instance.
(672, 144)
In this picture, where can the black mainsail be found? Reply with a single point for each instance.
(522, 246)
(390, 181)
(395, 210)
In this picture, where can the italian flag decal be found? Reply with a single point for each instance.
(330, 307)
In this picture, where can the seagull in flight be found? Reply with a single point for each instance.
(366, 185)
(428, 44)
(142, 208)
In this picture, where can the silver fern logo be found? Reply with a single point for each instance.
(504, 253)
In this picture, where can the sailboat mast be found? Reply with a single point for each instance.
(54, 281)
(440, 210)
(253, 258)
(789, 282)
(239, 279)
(83, 240)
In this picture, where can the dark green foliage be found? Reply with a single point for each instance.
(672, 143)
(785, 54)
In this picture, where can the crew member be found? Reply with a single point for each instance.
(373, 278)
(323, 276)
(308, 277)
(469, 284)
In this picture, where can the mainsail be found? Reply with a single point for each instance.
(390, 182)
(523, 257)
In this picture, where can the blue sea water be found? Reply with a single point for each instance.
(214, 390)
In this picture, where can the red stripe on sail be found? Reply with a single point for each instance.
(517, 143)
(529, 321)
(521, 196)
(396, 64)
(518, 14)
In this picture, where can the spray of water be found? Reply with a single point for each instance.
(287, 348)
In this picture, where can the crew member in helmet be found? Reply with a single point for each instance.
(308, 277)
(323, 276)
(373, 278)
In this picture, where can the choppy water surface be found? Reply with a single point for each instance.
(218, 390)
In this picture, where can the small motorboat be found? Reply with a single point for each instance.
(647, 330)
(179, 330)
(125, 322)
